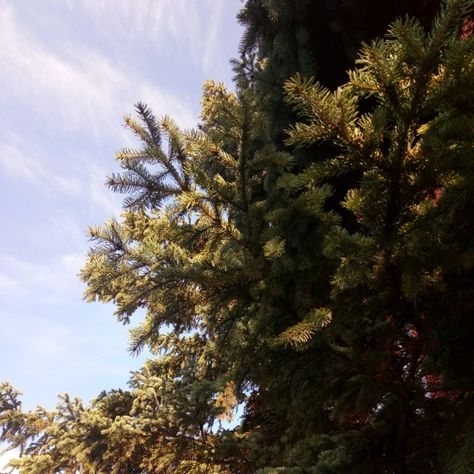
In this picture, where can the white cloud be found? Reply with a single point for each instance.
(31, 165)
(71, 92)
(68, 3)
(77, 178)
(14, 162)
(212, 31)
(166, 105)
(77, 90)
(189, 25)
(9, 285)
(52, 281)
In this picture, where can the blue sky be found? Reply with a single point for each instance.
(69, 71)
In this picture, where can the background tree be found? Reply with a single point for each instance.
(396, 297)
(313, 38)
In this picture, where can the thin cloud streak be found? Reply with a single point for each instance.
(13, 162)
(54, 281)
(212, 32)
(30, 164)
(82, 91)
(79, 179)
(180, 22)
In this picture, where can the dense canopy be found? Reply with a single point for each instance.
(304, 257)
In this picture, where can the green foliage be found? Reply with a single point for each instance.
(301, 333)
(324, 285)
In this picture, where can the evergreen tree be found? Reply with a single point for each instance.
(401, 308)
(311, 37)
(344, 329)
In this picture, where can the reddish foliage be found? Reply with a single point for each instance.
(436, 195)
(467, 29)
(434, 384)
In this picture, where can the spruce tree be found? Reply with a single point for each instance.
(400, 300)
(313, 38)
(324, 283)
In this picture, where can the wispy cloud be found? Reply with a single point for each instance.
(27, 162)
(15, 163)
(76, 177)
(74, 89)
(212, 31)
(9, 285)
(189, 25)
(55, 280)
(77, 91)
